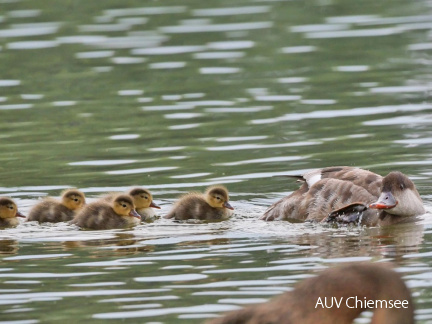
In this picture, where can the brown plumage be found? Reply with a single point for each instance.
(212, 205)
(342, 284)
(99, 215)
(8, 213)
(348, 194)
(53, 210)
(143, 201)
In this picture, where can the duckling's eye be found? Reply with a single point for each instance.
(402, 186)
(76, 199)
(11, 207)
(218, 198)
(124, 205)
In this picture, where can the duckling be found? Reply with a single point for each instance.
(143, 201)
(348, 194)
(54, 211)
(213, 205)
(8, 213)
(119, 213)
(350, 286)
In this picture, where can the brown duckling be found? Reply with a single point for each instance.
(143, 201)
(347, 194)
(212, 205)
(351, 286)
(119, 213)
(54, 211)
(8, 213)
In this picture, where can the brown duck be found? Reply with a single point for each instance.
(53, 210)
(8, 213)
(99, 215)
(347, 285)
(212, 205)
(348, 194)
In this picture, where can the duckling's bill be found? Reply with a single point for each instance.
(227, 205)
(18, 214)
(134, 213)
(153, 205)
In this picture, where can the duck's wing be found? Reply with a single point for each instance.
(351, 213)
(291, 208)
(340, 201)
(313, 176)
(360, 177)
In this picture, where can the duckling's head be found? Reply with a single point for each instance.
(217, 197)
(123, 206)
(73, 199)
(8, 209)
(142, 198)
(399, 196)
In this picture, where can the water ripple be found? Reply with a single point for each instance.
(377, 32)
(218, 55)
(246, 10)
(32, 275)
(171, 278)
(145, 11)
(165, 311)
(9, 83)
(346, 112)
(219, 70)
(32, 257)
(141, 170)
(24, 30)
(168, 50)
(167, 65)
(260, 146)
(215, 27)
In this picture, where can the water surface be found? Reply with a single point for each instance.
(175, 97)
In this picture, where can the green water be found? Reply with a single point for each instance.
(104, 95)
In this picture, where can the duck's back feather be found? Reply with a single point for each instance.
(50, 210)
(101, 216)
(318, 201)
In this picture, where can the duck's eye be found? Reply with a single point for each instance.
(402, 186)
(11, 207)
(218, 198)
(124, 205)
(76, 199)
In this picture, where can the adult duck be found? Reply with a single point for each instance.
(347, 288)
(349, 194)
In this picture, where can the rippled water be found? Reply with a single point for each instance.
(176, 97)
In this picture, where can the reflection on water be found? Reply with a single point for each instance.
(104, 96)
(151, 275)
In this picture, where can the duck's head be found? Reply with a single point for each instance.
(73, 199)
(399, 196)
(217, 197)
(8, 209)
(142, 198)
(123, 206)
